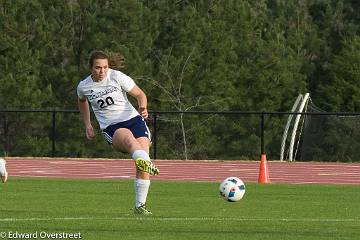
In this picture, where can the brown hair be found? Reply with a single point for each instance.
(116, 60)
(97, 55)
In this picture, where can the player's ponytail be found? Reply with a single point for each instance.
(116, 60)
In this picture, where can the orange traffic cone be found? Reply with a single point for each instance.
(263, 173)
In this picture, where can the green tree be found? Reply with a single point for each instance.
(20, 80)
(342, 91)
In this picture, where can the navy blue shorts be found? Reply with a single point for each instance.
(136, 125)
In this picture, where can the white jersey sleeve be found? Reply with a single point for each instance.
(126, 82)
(108, 97)
(80, 93)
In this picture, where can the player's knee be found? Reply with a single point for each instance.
(126, 144)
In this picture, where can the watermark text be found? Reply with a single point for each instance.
(39, 235)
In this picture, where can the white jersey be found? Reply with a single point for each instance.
(108, 97)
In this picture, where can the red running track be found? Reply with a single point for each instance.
(177, 170)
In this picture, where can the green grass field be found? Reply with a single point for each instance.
(101, 209)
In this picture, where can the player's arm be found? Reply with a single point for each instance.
(85, 115)
(140, 96)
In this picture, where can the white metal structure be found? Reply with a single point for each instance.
(304, 99)
(283, 143)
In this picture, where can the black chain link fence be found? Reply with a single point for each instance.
(181, 135)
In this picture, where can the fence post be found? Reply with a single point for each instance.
(6, 136)
(262, 141)
(263, 171)
(53, 133)
(155, 136)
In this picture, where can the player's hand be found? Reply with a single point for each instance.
(143, 112)
(90, 132)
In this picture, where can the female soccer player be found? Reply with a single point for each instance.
(123, 127)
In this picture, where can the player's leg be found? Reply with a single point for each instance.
(144, 143)
(142, 134)
(3, 172)
(123, 140)
(142, 180)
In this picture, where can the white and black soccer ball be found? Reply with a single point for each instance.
(232, 189)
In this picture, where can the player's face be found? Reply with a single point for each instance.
(99, 69)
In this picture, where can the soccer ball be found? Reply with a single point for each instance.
(232, 189)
